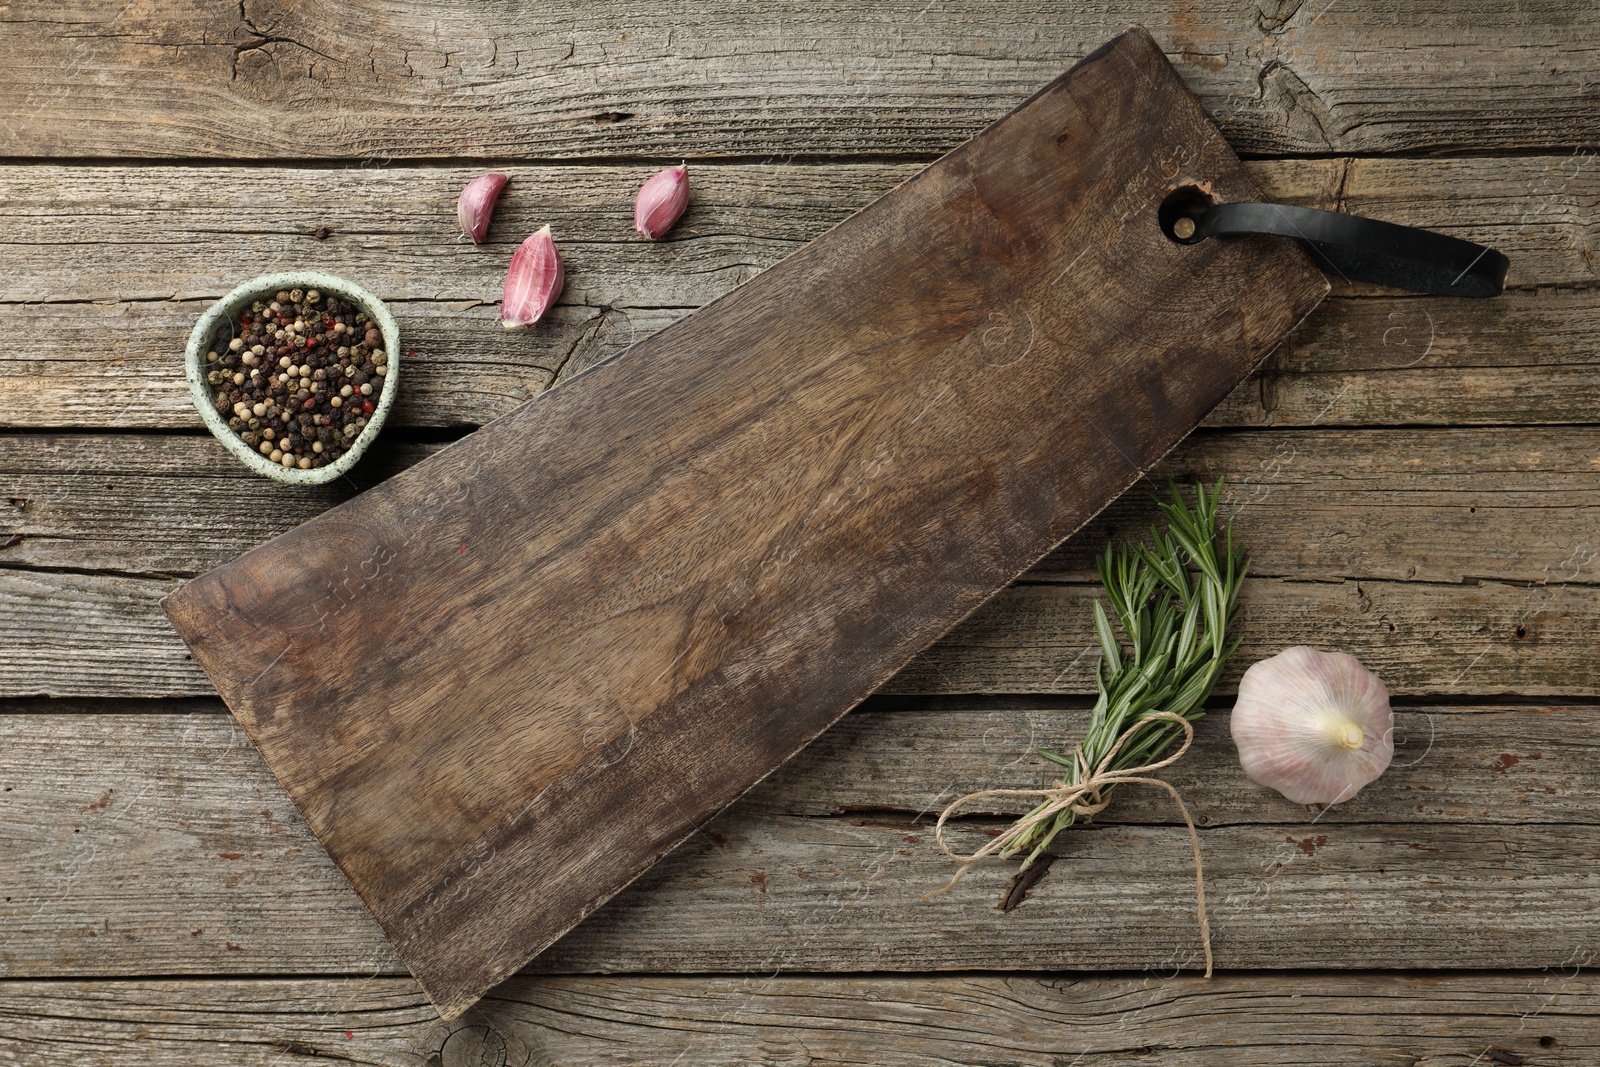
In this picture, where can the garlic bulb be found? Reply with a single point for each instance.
(1315, 726)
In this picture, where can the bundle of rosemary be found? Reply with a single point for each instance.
(1176, 600)
(1177, 624)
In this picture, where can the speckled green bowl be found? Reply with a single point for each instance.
(194, 369)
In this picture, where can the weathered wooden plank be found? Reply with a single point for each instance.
(1426, 505)
(156, 843)
(1528, 357)
(270, 80)
(1545, 1017)
(1477, 764)
(1522, 358)
(1482, 639)
(394, 229)
(90, 281)
(98, 635)
(121, 364)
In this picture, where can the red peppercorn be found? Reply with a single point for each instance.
(366, 406)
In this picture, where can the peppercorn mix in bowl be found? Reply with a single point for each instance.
(295, 373)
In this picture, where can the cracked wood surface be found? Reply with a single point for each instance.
(1543, 1017)
(66, 633)
(1454, 561)
(1447, 506)
(213, 78)
(156, 843)
(545, 674)
(108, 265)
(90, 281)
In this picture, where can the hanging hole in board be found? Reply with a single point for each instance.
(1180, 212)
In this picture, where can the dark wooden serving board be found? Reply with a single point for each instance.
(503, 683)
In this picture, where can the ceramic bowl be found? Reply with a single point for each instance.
(218, 315)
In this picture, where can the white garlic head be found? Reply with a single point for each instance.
(1315, 726)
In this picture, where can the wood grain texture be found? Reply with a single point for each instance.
(109, 246)
(394, 229)
(500, 689)
(1526, 358)
(1482, 639)
(363, 81)
(91, 285)
(97, 635)
(1438, 505)
(156, 843)
(1545, 1017)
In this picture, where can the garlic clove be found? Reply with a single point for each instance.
(475, 206)
(1315, 726)
(533, 281)
(661, 201)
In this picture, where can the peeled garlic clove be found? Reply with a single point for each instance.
(1315, 726)
(661, 201)
(533, 281)
(476, 205)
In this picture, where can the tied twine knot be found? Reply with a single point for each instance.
(1084, 798)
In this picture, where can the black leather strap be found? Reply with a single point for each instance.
(1357, 248)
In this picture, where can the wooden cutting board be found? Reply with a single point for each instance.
(503, 683)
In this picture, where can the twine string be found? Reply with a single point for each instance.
(1084, 798)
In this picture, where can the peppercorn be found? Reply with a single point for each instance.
(280, 406)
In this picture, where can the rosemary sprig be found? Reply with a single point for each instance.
(1176, 600)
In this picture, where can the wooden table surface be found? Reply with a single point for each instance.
(1417, 480)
